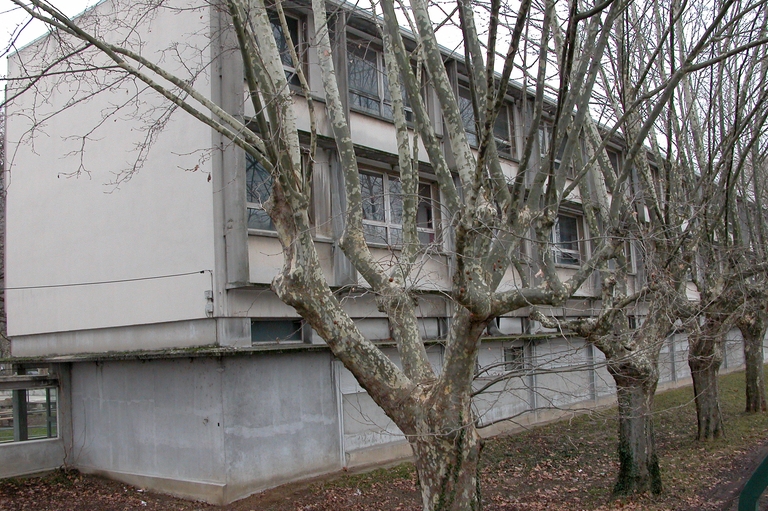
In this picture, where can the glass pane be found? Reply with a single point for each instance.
(375, 234)
(501, 132)
(275, 330)
(568, 233)
(366, 104)
(372, 190)
(258, 188)
(424, 218)
(567, 240)
(6, 416)
(258, 219)
(395, 201)
(363, 69)
(426, 238)
(467, 113)
(282, 45)
(395, 237)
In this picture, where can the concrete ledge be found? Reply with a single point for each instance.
(206, 491)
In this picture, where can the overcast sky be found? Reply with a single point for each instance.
(12, 19)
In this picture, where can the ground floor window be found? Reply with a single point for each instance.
(28, 414)
(276, 330)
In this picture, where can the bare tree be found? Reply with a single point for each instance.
(490, 211)
(662, 199)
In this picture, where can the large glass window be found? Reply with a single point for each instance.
(368, 83)
(383, 210)
(565, 240)
(258, 188)
(28, 414)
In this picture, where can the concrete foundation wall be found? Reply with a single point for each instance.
(214, 429)
(220, 428)
(281, 420)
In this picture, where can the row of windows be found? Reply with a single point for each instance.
(368, 86)
(382, 196)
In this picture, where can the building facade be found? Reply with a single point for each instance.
(142, 322)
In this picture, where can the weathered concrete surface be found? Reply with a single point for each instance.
(213, 429)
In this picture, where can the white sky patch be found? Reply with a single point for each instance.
(17, 30)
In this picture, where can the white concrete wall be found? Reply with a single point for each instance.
(82, 229)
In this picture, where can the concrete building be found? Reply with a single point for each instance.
(141, 300)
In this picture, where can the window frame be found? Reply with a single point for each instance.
(299, 43)
(257, 206)
(389, 223)
(360, 47)
(296, 327)
(557, 242)
(508, 108)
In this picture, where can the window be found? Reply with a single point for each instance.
(383, 210)
(28, 407)
(468, 115)
(276, 330)
(504, 132)
(629, 257)
(545, 139)
(565, 240)
(368, 83)
(258, 188)
(614, 158)
(282, 45)
(514, 358)
(503, 127)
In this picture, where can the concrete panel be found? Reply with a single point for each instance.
(159, 419)
(365, 424)
(265, 256)
(22, 458)
(281, 420)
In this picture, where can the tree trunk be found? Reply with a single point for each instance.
(753, 331)
(638, 462)
(704, 371)
(705, 354)
(447, 468)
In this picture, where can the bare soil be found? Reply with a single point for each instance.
(569, 465)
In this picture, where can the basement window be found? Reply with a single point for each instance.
(276, 330)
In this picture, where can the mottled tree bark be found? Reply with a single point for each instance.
(753, 327)
(638, 461)
(705, 355)
(446, 462)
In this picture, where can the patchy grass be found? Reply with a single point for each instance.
(568, 465)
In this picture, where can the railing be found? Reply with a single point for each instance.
(750, 495)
